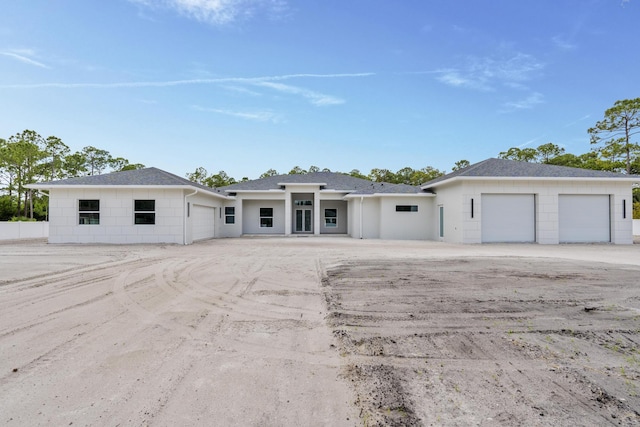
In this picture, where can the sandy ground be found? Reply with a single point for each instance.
(319, 331)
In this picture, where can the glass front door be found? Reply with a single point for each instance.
(303, 221)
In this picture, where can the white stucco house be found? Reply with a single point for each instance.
(140, 206)
(494, 200)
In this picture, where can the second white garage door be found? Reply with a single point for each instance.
(584, 218)
(508, 218)
(203, 222)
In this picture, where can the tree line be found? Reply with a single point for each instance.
(612, 140)
(28, 157)
(613, 150)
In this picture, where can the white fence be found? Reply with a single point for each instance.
(40, 230)
(24, 230)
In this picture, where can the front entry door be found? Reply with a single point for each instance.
(303, 221)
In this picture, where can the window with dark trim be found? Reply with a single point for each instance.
(302, 202)
(331, 218)
(88, 212)
(144, 212)
(229, 215)
(266, 217)
(406, 208)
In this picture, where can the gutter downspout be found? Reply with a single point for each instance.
(361, 202)
(184, 227)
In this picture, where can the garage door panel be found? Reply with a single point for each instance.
(508, 218)
(203, 222)
(584, 218)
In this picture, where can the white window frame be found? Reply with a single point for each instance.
(406, 208)
(263, 218)
(331, 221)
(137, 211)
(230, 215)
(89, 212)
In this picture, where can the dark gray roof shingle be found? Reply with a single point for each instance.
(139, 177)
(332, 180)
(514, 169)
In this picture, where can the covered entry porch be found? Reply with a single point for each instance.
(296, 213)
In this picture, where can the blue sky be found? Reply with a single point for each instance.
(248, 85)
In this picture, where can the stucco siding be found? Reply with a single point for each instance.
(230, 230)
(409, 225)
(371, 218)
(116, 223)
(198, 199)
(341, 220)
(456, 210)
(457, 201)
(251, 216)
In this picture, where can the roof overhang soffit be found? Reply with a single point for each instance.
(529, 178)
(128, 187)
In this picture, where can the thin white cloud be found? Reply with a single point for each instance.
(241, 89)
(529, 102)
(315, 98)
(271, 82)
(562, 43)
(529, 142)
(585, 117)
(169, 83)
(457, 78)
(484, 73)
(260, 116)
(23, 56)
(219, 12)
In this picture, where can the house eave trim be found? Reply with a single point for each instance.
(530, 178)
(357, 196)
(126, 187)
(271, 191)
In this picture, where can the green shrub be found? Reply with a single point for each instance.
(22, 219)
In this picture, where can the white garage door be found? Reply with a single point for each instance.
(584, 218)
(508, 218)
(203, 222)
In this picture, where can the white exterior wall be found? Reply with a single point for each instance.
(364, 217)
(230, 230)
(251, 216)
(457, 209)
(406, 225)
(202, 200)
(342, 219)
(461, 228)
(116, 216)
(371, 218)
(353, 226)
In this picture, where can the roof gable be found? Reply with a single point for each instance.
(134, 178)
(328, 180)
(503, 168)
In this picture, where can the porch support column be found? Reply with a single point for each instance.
(288, 213)
(316, 212)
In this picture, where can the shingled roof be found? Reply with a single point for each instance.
(329, 180)
(135, 178)
(502, 168)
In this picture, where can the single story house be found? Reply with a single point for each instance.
(495, 200)
(138, 206)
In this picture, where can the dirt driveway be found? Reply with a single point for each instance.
(319, 331)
